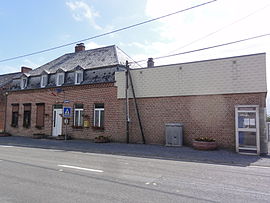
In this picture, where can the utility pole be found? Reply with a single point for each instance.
(135, 102)
(127, 104)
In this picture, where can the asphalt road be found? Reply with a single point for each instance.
(30, 174)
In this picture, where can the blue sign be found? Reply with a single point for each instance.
(67, 112)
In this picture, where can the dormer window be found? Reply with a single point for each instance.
(44, 80)
(60, 79)
(23, 83)
(78, 77)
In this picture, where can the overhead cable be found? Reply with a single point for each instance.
(107, 33)
(206, 48)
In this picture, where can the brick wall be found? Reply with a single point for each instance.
(86, 94)
(3, 91)
(209, 115)
(2, 109)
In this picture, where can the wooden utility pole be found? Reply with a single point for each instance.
(135, 102)
(127, 105)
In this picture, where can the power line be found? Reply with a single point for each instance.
(206, 48)
(130, 57)
(107, 33)
(220, 29)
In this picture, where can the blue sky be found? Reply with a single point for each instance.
(28, 26)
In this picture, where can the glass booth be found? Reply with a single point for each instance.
(247, 129)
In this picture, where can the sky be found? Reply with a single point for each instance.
(28, 26)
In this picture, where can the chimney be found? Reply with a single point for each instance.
(25, 69)
(79, 47)
(150, 63)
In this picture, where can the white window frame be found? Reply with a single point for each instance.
(76, 77)
(23, 84)
(57, 79)
(99, 116)
(80, 110)
(43, 78)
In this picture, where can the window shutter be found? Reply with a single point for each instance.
(15, 107)
(40, 115)
(27, 107)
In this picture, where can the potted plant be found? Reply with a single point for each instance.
(101, 139)
(204, 143)
(63, 137)
(39, 136)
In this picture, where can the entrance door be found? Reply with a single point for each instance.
(247, 129)
(57, 122)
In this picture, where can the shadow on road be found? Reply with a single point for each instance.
(187, 154)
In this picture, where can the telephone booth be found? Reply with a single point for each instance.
(247, 129)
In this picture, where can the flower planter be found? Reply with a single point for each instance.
(202, 145)
(3, 134)
(101, 139)
(39, 136)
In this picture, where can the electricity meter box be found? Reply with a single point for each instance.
(174, 134)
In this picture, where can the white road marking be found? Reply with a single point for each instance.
(267, 167)
(6, 146)
(55, 150)
(80, 168)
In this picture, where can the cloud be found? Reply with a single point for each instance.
(30, 64)
(82, 11)
(93, 45)
(8, 69)
(181, 29)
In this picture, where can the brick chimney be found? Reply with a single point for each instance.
(150, 63)
(79, 47)
(25, 69)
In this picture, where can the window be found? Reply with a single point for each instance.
(44, 80)
(15, 115)
(99, 115)
(60, 79)
(78, 115)
(27, 115)
(78, 77)
(23, 83)
(40, 115)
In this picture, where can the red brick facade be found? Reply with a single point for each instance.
(210, 115)
(87, 95)
(2, 109)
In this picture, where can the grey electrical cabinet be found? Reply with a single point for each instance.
(174, 134)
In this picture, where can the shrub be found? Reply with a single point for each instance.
(204, 139)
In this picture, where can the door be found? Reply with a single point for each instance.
(57, 122)
(247, 129)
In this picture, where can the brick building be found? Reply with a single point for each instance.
(202, 95)
(83, 80)
(5, 84)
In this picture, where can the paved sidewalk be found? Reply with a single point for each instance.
(139, 150)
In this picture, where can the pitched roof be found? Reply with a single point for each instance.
(89, 59)
(7, 78)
